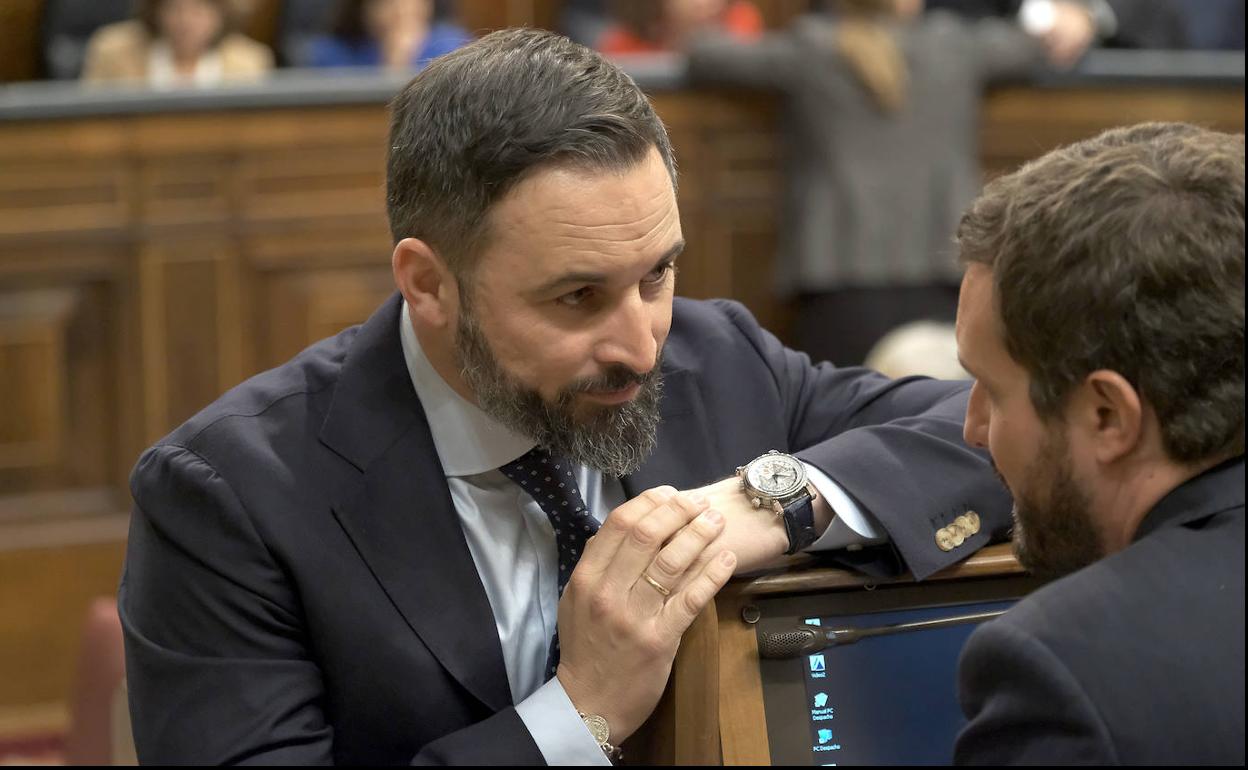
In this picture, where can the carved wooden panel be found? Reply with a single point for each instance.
(309, 305)
(1022, 123)
(33, 358)
(51, 196)
(311, 185)
(58, 389)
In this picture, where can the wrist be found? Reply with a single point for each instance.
(600, 730)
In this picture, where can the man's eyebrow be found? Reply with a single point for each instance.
(595, 279)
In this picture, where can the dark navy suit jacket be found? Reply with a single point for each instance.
(298, 589)
(1137, 659)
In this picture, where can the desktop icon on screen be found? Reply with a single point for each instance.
(825, 736)
(821, 700)
(816, 664)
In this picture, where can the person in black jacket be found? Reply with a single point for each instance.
(1102, 315)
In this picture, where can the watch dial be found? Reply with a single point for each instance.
(776, 477)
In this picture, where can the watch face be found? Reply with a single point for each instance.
(776, 476)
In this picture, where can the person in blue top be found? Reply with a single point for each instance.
(392, 34)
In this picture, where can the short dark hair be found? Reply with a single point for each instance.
(1126, 252)
(476, 121)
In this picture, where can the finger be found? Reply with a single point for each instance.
(684, 605)
(673, 561)
(602, 547)
(647, 536)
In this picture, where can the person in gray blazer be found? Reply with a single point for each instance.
(880, 121)
(1102, 314)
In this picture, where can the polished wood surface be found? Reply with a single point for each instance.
(148, 262)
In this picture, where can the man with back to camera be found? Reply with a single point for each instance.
(1102, 315)
(358, 556)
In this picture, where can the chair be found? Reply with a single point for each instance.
(67, 25)
(101, 673)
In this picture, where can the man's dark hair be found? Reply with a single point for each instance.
(475, 122)
(1126, 252)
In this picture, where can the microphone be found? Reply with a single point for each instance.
(808, 640)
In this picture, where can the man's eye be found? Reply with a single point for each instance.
(658, 274)
(574, 298)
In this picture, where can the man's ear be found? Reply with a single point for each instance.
(425, 282)
(1108, 410)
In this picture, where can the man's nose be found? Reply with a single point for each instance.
(975, 427)
(628, 336)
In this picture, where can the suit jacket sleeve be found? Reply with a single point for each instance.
(219, 666)
(715, 58)
(1023, 704)
(895, 446)
(1003, 51)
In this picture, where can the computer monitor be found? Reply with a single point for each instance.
(889, 699)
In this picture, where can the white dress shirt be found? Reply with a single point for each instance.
(513, 546)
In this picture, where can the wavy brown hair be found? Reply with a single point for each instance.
(1126, 252)
(867, 45)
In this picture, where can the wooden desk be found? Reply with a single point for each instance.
(712, 712)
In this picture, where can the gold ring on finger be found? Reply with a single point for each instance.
(657, 585)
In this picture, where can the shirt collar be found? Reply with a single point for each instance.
(467, 440)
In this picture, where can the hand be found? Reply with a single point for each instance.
(618, 634)
(1072, 32)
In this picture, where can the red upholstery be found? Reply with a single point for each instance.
(101, 668)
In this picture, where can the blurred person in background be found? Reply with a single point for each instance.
(1070, 26)
(881, 118)
(397, 35)
(176, 43)
(919, 348)
(656, 26)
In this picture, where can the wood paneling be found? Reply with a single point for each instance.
(19, 39)
(44, 594)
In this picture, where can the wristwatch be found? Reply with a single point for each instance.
(601, 731)
(778, 481)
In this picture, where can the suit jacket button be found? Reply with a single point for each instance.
(974, 517)
(944, 539)
(959, 534)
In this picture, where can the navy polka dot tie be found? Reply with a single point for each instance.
(551, 481)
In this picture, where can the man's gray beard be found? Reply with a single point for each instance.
(616, 440)
(1059, 537)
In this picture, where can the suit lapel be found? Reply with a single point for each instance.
(397, 510)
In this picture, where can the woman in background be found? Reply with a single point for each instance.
(397, 35)
(175, 43)
(880, 134)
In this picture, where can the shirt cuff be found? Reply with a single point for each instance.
(557, 729)
(851, 526)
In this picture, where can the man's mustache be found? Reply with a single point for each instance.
(617, 377)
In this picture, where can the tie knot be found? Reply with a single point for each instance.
(539, 466)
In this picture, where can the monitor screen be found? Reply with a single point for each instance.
(888, 699)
